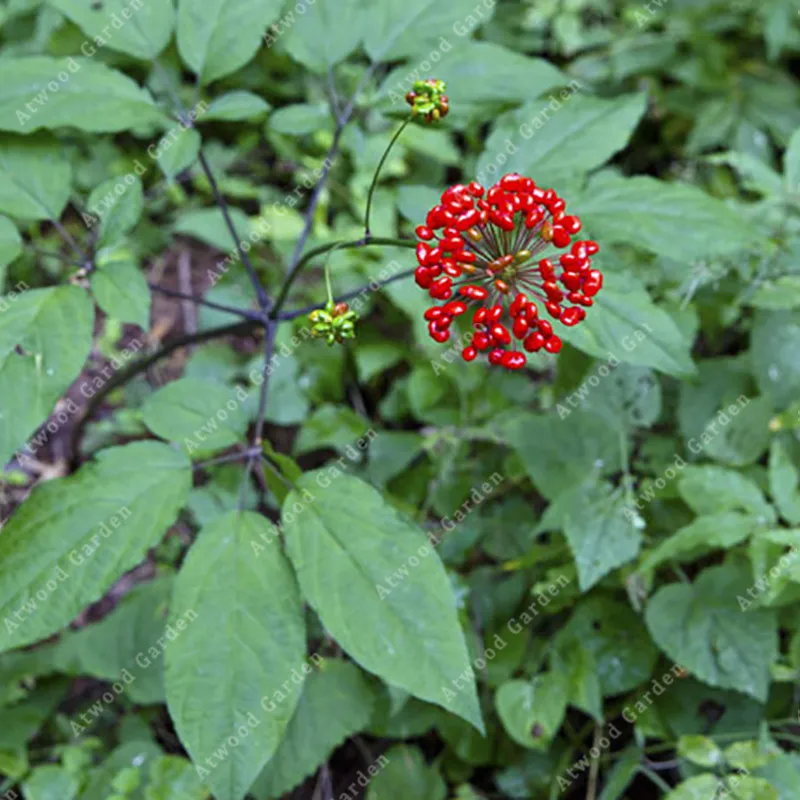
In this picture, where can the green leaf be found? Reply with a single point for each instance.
(242, 683)
(299, 119)
(330, 426)
(235, 106)
(559, 452)
(204, 416)
(737, 785)
(720, 531)
(396, 28)
(401, 773)
(673, 218)
(120, 287)
(117, 647)
(141, 30)
(217, 37)
(181, 153)
(778, 294)
(791, 164)
(623, 653)
(775, 342)
(700, 750)
(73, 537)
(10, 244)
(346, 543)
(701, 627)
(50, 782)
(208, 226)
(563, 134)
(337, 693)
(784, 483)
(532, 711)
(35, 177)
(327, 34)
(117, 203)
(173, 778)
(45, 337)
(41, 92)
(136, 754)
(711, 490)
(477, 73)
(599, 528)
(625, 325)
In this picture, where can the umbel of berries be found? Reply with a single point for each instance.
(334, 323)
(428, 99)
(483, 252)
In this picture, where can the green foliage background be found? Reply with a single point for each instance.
(442, 580)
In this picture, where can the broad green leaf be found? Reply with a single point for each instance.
(396, 28)
(231, 694)
(781, 293)
(599, 526)
(478, 73)
(379, 588)
(327, 34)
(202, 415)
(711, 490)
(672, 218)
(140, 29)
(337, 693)
(50, 782)
(402, 772)
(10, 244)
(721, 530)
(784, 483)
(23, 721)
(208, 226)
(118, 648)
(35, 177)
(559, 451)
(700, 787)
(181, 153)
(235, 106)
(791, 164)
(739, 434)
(45, 337)
(299, 118)
(735, 785)
(700, 750)
(138, 754)
(623, 652)
(330, 426)
(532, 711)
(120, 287)
(41, 92)
(73, 537)
(217, 37)
(701, 627)
(625, 325)
(775, 342)
(562, 134)
(174, 778)
(117, 205)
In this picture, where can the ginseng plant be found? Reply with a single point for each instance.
(237, 655)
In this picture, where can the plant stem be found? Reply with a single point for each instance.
(378, 172)
(300, 312)
(324, 248)
(261, 292)
(141, 364)
(67, 237)
(655, 778)
(240, 312)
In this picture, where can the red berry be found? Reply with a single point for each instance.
(533, 342)
(571, 316)
(423, 277)
(514, 360)
(469, 353)
(501, 334)
(518, 305)
(423, 232)
(560, 237)
(520, 328)
(553, 344)
(496, 356)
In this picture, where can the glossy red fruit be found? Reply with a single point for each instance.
(469, 353)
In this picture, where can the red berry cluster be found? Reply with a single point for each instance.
(488, 252)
